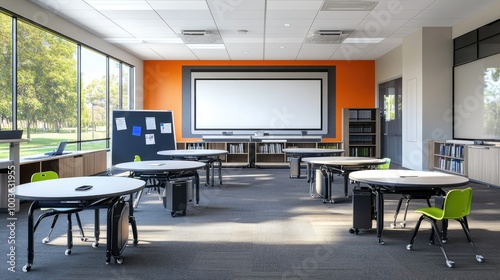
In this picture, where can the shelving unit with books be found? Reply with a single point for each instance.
(269, 153)
(361, 132)
(449, 157)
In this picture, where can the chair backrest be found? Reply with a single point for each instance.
(137, 158)
(385, 165)
(45, 175)
(457, 203)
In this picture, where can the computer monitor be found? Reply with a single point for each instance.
(59, 151)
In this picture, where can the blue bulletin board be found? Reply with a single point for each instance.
(141, 132)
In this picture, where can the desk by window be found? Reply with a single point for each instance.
(105, 192)
(403, 182)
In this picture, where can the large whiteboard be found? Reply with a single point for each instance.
(249, 102)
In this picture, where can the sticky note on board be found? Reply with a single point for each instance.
(136, 130)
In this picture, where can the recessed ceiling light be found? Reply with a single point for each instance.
(282, 47)
(363, 40)
(287, 24)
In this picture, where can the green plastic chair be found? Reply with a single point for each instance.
(456, 206)
(385, 165)
(150, 180)
(50, 175)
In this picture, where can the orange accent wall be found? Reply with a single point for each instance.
(355, 83)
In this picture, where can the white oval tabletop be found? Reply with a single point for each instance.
(344, 160)
(401, 177)
(160, 165)
(65, 188)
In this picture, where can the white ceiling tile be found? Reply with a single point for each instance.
(178, 5)
(154, 20)
(284, 5)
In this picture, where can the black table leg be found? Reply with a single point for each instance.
(31, 236)
(109, 232)
(97, 230)
(197, 185)
(380, 215)
(207, 171)
(131, 220)
(219, 162)
(212, 168)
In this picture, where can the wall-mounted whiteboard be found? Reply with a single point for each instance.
(476, 104)
(246, 102)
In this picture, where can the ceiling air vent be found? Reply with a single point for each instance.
(327, 37)
(200, 37)
(195, 32)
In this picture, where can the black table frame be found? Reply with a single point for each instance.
(84, 205)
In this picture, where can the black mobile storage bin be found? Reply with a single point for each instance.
(175, 197)
(119, 215)
(362, 209)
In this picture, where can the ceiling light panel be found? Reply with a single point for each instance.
(331, 5)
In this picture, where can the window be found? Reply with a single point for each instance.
(51, 101)
(93, 100)
(5, 74)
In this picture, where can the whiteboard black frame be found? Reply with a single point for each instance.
(329, 97)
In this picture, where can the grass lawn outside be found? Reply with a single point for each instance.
(41, 143)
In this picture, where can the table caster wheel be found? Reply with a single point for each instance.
(450, 264)
(409, 247)
(67, 252)
(46, 240)
(95, 244)
(354, 231)
(393, 225)
(480, 258)
(380, 241)
(119, 260)
(172, 214)
(27, 268)
(84, 239)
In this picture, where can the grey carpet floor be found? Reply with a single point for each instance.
(261, 224)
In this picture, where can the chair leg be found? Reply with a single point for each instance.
(82, 234)
(41, 217)
(70, 235)
(415, 231)
(449, 262)
(463, 223)
(435, 232)
(393, 225)
(403, 224)
(54, 221)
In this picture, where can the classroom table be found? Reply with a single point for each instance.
(339, 165)
(310, 152)
(209, 156)
(399, 181)
(164, 170)
(57, 193)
